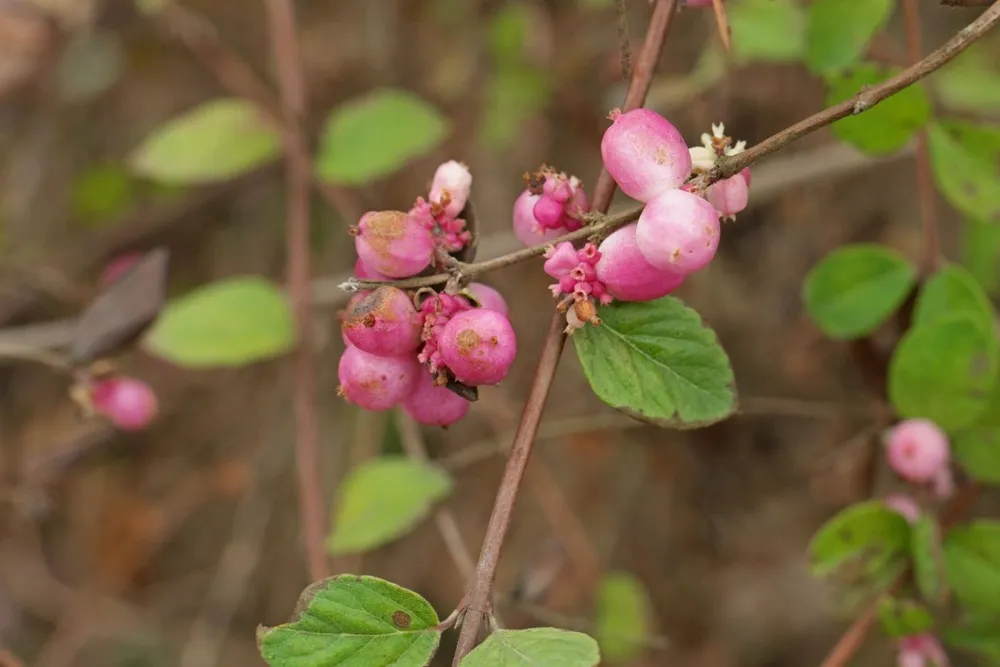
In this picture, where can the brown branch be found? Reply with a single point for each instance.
(966, 3)
(624, 44)
(284, 44)
(479, 595)
(722, 23)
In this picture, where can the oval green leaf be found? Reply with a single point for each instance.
(928, 568)
(978, 451)
(971, 82)
(623, 611)
(373, 136)
(837, 31)
(972, 564)
(965, 159)
(868, 533)
(772, 30)
(226, 323)
(944, 371)
(902, 618)
(658, 362)
(535, 647)
(856, 288)
(981, 253)
(979, 634)
(382, 499)
(349, 620)
(214, 142)
(953, 290)
(889, 125)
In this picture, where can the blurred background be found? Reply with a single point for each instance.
(169, 546)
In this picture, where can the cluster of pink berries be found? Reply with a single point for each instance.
(676, 235)
(425, 351)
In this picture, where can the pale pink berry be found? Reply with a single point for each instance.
(373, 382)
(625, 272)
(527, 229)
(384, 322)
(904, 505)
(451, 186)
(118, 267)
(678, 231)
(393, 243)
(923, 650)
(729, 196)
(364, 273)
(917, 450)
(489, 298)
(128, 403)
(478, 346)
(434, 405)
(645, 154)
(746, 175)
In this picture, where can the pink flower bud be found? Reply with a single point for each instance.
(478, 346)
(489, 298)
(384, 323)
(433, 405)
(729, 196)
(452, 183)
(678, 231)
(376, 383)
(626, 273)
(645, 154)
(527, 229)
(560, 260)
(548, 211)
(917, 450)
(393, 243)
(904, 505)
(128, 403)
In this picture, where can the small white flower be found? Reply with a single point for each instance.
(702, 158)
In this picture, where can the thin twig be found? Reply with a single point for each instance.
(966, 3)
(722, 23)
(624, 44)
(285, 48)
(478, 598)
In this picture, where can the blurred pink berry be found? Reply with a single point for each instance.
(678, 231)
(729, 196)
(393, 243)
(645, 154)
(626, 273)
(478, 346)
(904, 505)
(917, 450)
(923, 650)
(434, 405)
(489, 298)
(943, 483)
(376, 383)
(128, 403)
(384, 323)
(451, 186)
(364, 273)
(118, 267)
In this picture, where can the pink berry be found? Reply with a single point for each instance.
(489, 298)
(384, 323)
(478, 346)
(625, 272)
(746, 175)
(364, 273)
(526, 227)
(729, 196)
(376, 383)
(917, 450)
(904, 505)
(678, 231)
(393, 243)
(923, 650)
(451, 186)
(645, 154)
(130, 404)
(118, 267)
(432, 405)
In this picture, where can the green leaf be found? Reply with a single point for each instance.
(230, 322)
(216, 141)
(925, 550)
(348, 621)
(508, 31)
(971, 82)
(837, 31)
(535, 647)
(977, 634)
(373, 136)
(965, 159)
(658, 362)
(978, 451)
(855, 288)
(901, 618)
(953, 291)
(869, 535)
(772, 30)
(981, 253)
(622, 616)
(944, 371)
(102, 193)
(382, 499)
(889, 125)
(972, 564)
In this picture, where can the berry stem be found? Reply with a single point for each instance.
(285, 50)
(480, 592)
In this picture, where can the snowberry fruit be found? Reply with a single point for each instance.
(645, 154)
(478, 346)
(527, 229)
(130, 404)
(489, 298)
(434, 405)
(364, 273)
(678, 231)
(729, 196)
(917, 450)
(625, 272)
(450, 187)
(373, 382)
(393, 243)
(384, 322)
